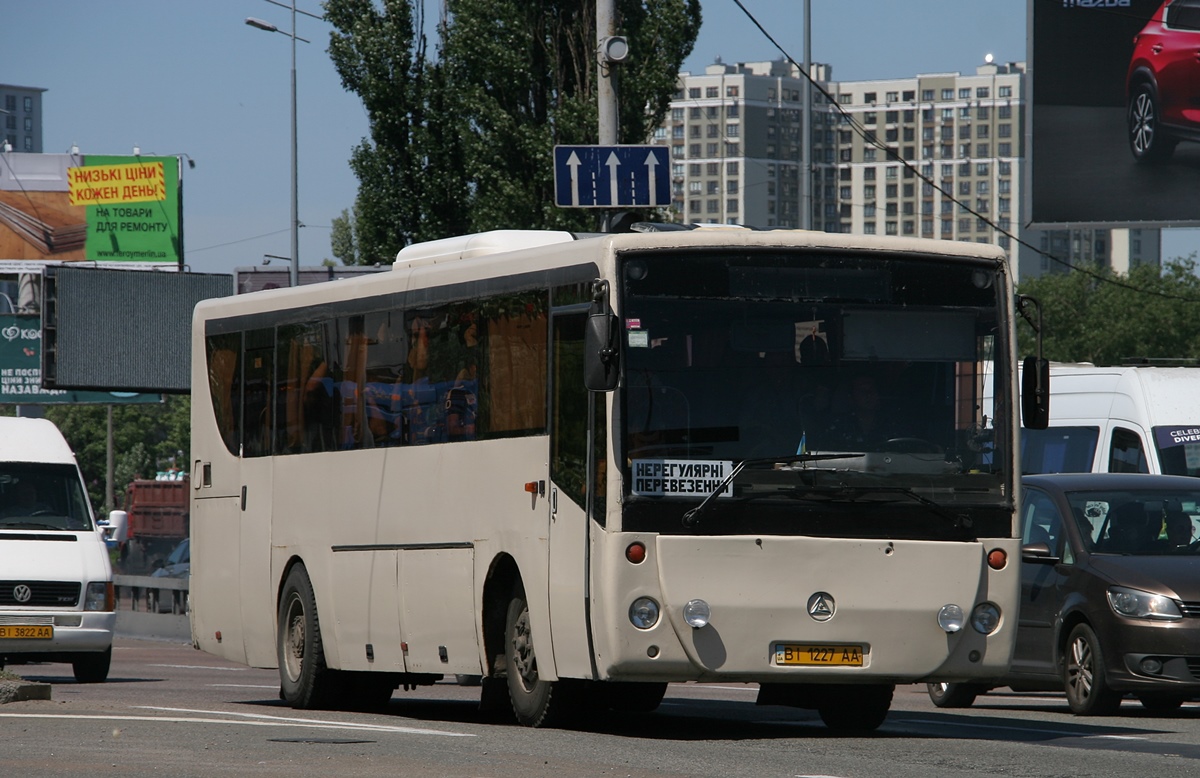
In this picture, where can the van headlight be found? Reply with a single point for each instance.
(99, 597)
(1136, 604)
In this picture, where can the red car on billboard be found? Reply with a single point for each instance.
(1163, 85)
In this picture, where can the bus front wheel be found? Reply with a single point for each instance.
(535, 702)
(304, 680)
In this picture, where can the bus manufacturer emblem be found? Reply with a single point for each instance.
(22, 593)
(821, 606)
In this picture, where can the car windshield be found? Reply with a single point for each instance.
(42, 497)
(180, 554)
(1136, 522)
(1058, 449)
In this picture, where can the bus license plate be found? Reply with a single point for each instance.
(25, 632)
(814, 655)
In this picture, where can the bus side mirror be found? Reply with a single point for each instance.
(1035, 393)
(600, 351)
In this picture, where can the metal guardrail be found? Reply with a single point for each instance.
(161, 595)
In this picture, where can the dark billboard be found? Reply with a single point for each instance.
(1116, 112)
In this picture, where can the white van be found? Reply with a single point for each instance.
(56, 592)
(1138, 419)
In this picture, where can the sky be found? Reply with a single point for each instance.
(190, 77)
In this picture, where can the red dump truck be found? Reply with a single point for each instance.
(158, 516)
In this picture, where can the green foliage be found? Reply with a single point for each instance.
(146, 438)
(464, 142)
(1106, 320)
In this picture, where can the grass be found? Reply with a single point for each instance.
(7, 676)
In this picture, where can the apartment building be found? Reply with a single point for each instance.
(21, 118)
(940, 155)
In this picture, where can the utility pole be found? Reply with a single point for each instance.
(611, 49)
(806, 166)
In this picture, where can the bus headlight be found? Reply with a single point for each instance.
(950, 618)
(643, 613)
(696, 613)
(985, 618)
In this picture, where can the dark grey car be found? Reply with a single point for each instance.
(1110, 593)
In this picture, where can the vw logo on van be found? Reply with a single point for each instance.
(22, 593)
(821, 606)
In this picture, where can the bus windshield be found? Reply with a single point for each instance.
(848, 384)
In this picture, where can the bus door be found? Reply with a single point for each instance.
(572, 480)
(254, 531)
(215, 511)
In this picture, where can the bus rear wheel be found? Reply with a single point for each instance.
(535, 702)
(304, 680)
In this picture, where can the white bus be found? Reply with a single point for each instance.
(584, 467)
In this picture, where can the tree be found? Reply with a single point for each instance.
(1105, 318)
(465, 142)
(379, 52)
(341, 238)
(145, 438)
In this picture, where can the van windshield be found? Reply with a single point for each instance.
(1178, 449)
(43, 497)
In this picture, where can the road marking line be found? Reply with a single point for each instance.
(1013, 729)
(204, 667)
(257, 717)
(244, 685)
(295, 723)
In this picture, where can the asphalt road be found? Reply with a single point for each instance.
(169, 710)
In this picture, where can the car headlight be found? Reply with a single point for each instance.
(1136, 604)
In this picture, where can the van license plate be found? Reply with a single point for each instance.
(817, 655)
(25, 632)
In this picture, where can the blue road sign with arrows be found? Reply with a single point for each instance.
(611, 176)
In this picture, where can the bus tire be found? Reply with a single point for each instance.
(856, 709)
(92, 668)
(634, 696)
(536, 703)
(304, 680)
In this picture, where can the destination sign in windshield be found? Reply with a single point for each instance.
(679, 477)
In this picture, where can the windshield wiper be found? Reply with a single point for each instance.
(960, 521)
(27, 525)
(692, 517)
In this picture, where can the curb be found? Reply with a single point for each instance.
(20, 691)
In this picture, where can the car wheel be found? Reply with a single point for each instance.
(92, 668)
(1146, 139)
(954, 695)
(1084, 679)
(1162, 703)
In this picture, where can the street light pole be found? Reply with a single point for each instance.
(295, 277)
(262, 25)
